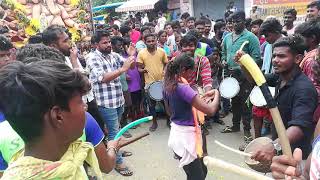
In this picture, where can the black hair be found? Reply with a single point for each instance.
(194, 33)
(238, 15)
(4, 29)
(219, 20)
(93, 40)
(248, 22)
(207, 21)
(314, 4)
(174, 68)
(218, 25)
(35, 39)
(126, 41)
(310, 28)
(175, 24)
(32, 52)
(228, 19)
(125, 29)
(191, 19)
(291, 11)
(29, 91)
(161, 32)
(149, 24)
(98, 35)
(199, 22)
(187, 39)
(116, 39)
(257, 22)
(5, 43)
(185, 15)
(168, 24)
(295, 43)
(144, 28)
(50, 35)
(271, 25)
(149, 35)
(116, 27)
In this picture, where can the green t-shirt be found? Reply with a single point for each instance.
(11, 142)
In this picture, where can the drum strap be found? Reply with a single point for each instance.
(198, 116)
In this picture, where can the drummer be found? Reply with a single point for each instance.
(231, 43)
(295, 95)
(151, 62)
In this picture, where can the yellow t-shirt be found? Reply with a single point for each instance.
(154, 63)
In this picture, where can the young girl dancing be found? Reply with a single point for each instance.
(184, 105)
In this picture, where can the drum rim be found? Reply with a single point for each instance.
(257, 87)
(155, 82)
(238, 87)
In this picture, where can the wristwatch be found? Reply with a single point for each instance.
(277, 148)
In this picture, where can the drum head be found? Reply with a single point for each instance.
(229, 88)
(257, 98)
(155, 90)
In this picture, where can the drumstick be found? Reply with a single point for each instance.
(231, 149)
(213, 163)
(134, 139)
(259, 78)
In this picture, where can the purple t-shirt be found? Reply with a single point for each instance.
(135, 83)
(180, 104)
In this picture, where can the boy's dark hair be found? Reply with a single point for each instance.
(5, 43)
(161, 32)
(126, 41)
(194, 33)
(271, 25)
(248, 22)
(4, 29)
(168, 24)
(314, 4)
(30, 90)
(144, 28)
(187, 39)
(175, 24)
(310, 28)
(257, 22)
(191, 19)
(32, 52)
(149, 35)
(35, 39)
(116, 27)
(125, 30)
(229, 19)
(238, 15)
(149, 24)
(50, 35)
(207, 21)
(185, 15)
(116, 39)
(295, 43)
(199, 22)
(98, 35)
(291, 11)
(218, 25)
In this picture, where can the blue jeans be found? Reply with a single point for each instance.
(111, 117)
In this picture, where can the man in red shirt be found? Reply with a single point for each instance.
(310, 30)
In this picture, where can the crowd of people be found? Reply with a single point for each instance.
(73, 101)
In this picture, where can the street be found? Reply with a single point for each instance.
(153, 160)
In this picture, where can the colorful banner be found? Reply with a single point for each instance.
(277, 7)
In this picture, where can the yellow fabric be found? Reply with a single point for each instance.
(69, 167)
(198, 116)
(154, 63)
(253, 69)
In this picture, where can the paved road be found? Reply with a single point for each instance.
(153, 160)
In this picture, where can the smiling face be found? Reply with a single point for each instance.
(312, 12)
(288, 19)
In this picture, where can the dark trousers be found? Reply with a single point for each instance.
(196, 170)
(93, 110)
(240, 108)
(225, 105)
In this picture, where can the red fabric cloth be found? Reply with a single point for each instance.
(306, 65)
(135, 36)
(261, 112)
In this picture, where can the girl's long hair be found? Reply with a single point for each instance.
(173, 70)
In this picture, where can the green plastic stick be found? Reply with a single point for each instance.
(132, 124)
